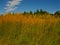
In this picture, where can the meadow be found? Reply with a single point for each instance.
(19, 29)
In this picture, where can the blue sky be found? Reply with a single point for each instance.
(27, 5)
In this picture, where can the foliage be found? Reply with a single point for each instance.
(42, 12)
(31, 12)
(24, 12)
(57, 13)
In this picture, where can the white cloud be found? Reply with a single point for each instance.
(12, 5)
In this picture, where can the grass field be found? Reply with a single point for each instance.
(21, 29)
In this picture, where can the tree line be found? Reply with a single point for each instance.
(39, 12)
(43, 12)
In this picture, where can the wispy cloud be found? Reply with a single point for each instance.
(12, 5)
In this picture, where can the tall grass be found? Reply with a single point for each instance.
(19, 29)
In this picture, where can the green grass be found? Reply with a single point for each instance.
(28, 34)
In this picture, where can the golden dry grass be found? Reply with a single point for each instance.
(19, 29)
(28, 19)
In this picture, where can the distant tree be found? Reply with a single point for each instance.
(57, 13)
(34, 13)
(25, 12)
(37, 12)
(51, 14)
(40, 12)
(43, 12)
(31, 12)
